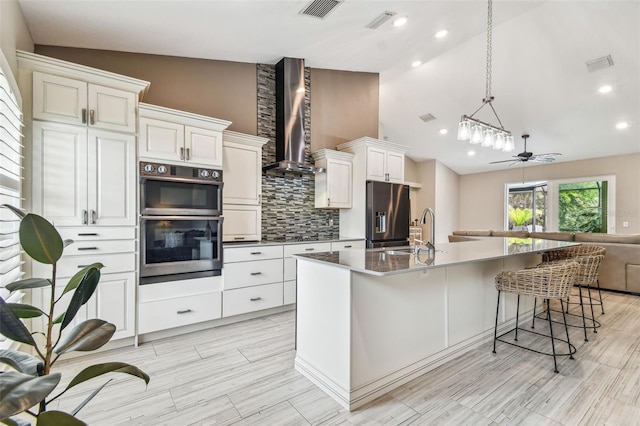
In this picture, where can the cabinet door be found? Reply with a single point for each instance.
(60, 173)
(241, 173)
(241, 223)
(376, 159)
(59, 99)
(203, 147)
(111, 109)
(112, 179)
(339, 184)
(113, 301)
(395, 166)
(161, 140)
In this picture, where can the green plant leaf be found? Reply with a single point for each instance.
(109, 367)
(74, 282)
(15, 422)
(82, 294)
(25, 311)
(22, 391)
(40, 240)
(58, 418)
(66, 243)
(86, 336)
(12, 327)
(20, 361)
(21, 214)
(28, 283)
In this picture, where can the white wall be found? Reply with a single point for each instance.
(14, 33)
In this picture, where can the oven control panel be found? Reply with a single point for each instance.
(148, 169)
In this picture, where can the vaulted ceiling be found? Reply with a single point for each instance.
(539, 75)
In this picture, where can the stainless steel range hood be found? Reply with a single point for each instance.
(290, 110)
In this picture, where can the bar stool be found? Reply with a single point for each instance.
(549, 282)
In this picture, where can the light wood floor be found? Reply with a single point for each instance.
(243, 374)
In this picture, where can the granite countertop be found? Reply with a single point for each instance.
(395, 261)
(333, 239)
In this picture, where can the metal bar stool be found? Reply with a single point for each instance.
(549, 282)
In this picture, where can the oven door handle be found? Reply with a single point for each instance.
(146, 217)
(143, 179)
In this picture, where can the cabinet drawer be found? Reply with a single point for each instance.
(345, 245)
(289, 269)
(179, 311)
(120, 262)
(289, 292)
(244, 254)
(245, 274)
(251, 299)
(292, 249)
(100, 247)
(241, 223)
(97, 233)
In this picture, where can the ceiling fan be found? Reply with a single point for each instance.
(526, 156)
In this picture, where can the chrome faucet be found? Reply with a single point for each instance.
(423, 221)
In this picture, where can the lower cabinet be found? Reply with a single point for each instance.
(250, 299)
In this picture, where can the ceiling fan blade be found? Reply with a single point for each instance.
(516, 160)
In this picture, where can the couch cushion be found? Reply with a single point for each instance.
(512, 234)
(558, 236)
(633, 278)
(459, 238)
(459, 232)
(479, 233)
(608, 238)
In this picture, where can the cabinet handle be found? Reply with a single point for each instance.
(182, 153)
(188, 156)
(255, 299)
(309, 249)
(349, 246)
(238, 238)
(87, 234)
(184, 311)
(256, 252)
(87, 248)
(84, 116)
(256, 273)
(259, 198)
(328, 201)
(84, 217)
(92, 218)
(92, 117)
(84, 266)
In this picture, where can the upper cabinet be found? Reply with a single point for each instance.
(180, 137)
(382, 160)
(334, 187)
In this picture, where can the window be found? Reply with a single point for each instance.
(582, 206)
(527, 207)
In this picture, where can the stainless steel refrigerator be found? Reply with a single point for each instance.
(387, 214)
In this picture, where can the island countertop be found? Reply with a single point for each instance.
(389, 261)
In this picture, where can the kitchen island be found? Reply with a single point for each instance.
(369, 321)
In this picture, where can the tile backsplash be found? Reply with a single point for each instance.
(288, 201)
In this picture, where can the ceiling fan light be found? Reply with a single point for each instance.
(488, 138)
(464, 130)
(499, 142)
(509, 144)
(476, 134)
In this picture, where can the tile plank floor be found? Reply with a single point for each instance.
(243, 374)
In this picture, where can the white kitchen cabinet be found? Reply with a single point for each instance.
(83, 177)
(333, 188)
(180, 137)
(242, 174)
(385, 165)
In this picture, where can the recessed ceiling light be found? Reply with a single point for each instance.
(441, 33)
(416, 63)
(398, 22)
(605, 89)
(622, 125)
(443, 131)
(471, 153)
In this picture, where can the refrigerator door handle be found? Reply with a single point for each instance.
(381, 222)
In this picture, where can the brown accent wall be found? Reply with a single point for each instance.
(220, 89)
(344, 106)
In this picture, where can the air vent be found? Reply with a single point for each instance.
(386, 15)
(427, 117)
(320, 8)
(600, 63)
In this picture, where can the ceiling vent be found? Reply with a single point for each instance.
(320, 8)
(600, 63)
(386, 15)
(427, 117)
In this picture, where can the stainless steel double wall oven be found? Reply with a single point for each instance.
(180, 222)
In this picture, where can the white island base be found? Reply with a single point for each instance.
(361, 335)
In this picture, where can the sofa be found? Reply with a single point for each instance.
(620, 270)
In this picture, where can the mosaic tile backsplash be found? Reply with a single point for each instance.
(288, 201)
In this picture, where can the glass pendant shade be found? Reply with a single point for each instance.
(487, 138)
(464, 130)
(476, 134)
(509, 145)
(499, 142)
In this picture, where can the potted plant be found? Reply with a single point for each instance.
(27, 386)
(520, 218)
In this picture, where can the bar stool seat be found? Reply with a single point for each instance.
(552, 281)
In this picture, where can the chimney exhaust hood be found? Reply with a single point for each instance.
(290, 111)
